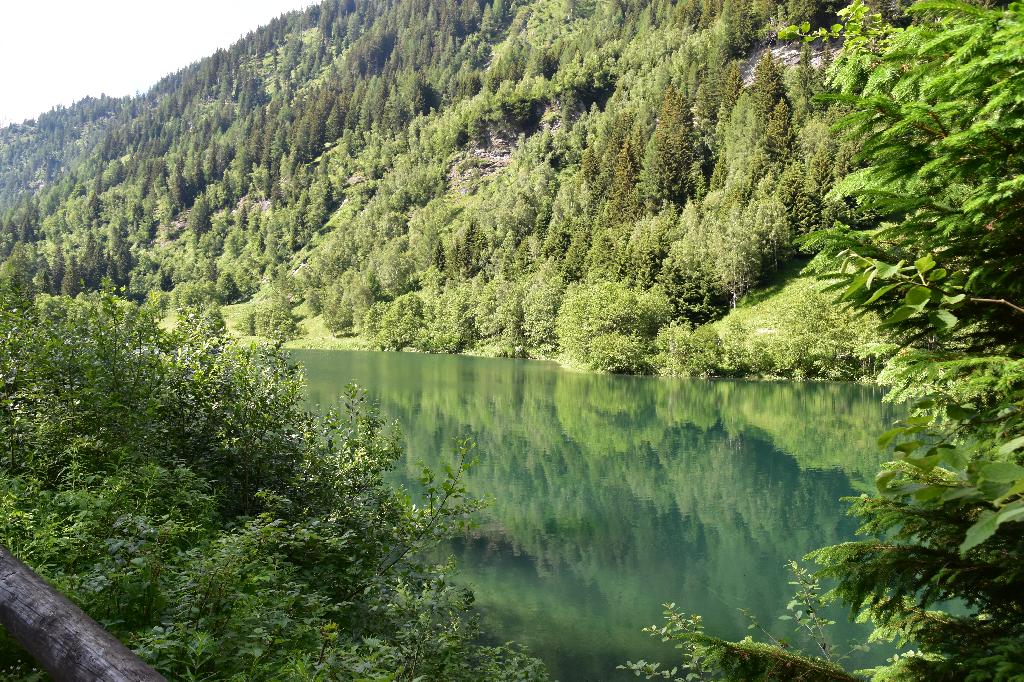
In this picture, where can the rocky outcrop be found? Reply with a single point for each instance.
(481, 161)
(788, 54)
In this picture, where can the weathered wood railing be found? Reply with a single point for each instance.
(62, 639)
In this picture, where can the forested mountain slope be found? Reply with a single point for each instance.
(531, 177)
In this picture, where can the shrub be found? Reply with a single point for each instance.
(227, 288)
(315, 301)
(595, 311)
(199, 294)
(797, 333)
(178, 492)
(687, 352)
(401, 323)
(620, 354)
(540, 311)
(273, 320)
(450, 325)
(338, 314)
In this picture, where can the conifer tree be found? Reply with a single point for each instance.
(71, 284)
(941, 257)
(58, 268)
(768, 88)
(778, 139)
(93, 263)
(199, 218)
(669, 157)
(624, 199)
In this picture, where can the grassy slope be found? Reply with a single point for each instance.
(777, 329)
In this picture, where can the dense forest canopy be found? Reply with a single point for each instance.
(445, 176)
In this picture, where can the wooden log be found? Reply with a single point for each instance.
(62, 639)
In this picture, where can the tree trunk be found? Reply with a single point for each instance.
(62, 639)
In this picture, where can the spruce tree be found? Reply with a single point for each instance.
(769, 88)
(669, 156)
(939, 253)
(58, 268)
(778, 140)
(71, 284)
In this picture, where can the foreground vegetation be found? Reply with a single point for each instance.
(939, 253)
(171, 484)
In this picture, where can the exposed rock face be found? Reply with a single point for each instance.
(494, 154)
(482, 161)
(788, 54)
(261, 204)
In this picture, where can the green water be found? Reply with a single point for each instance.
(612, 495)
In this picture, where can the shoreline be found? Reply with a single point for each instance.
(357, 343)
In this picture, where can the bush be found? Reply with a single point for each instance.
(540, 311)
(315, 301)
(200, 294)
(687, 352)
(400, 324)
(227, 288)
(625, 320)
(450, 325)
(620, 354)
(499, 317)
(272, 320)
(796, 333)
(184, 497)
(338, 314)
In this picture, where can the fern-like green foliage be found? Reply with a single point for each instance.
(942, 120)
(937, 249)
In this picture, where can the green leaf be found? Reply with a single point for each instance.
(1011, 515)
(930, 492)
(937, 275)
(858, 282)
(886, 438)
(924, 263)
(1011, 446)
(908, 447)
(881, 291)
(885, 270)
(926, 464)
(959, 493)
(918, 296)
(984, 528)
(954, 457)
(988, 523)
(1001, 472)
(900, 315)
(1015, 490)
(883, 479)
(943, 320)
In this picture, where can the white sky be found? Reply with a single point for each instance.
(59, 51)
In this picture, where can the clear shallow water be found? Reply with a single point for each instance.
(612, 495)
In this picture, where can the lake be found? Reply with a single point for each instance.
(611, 495)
